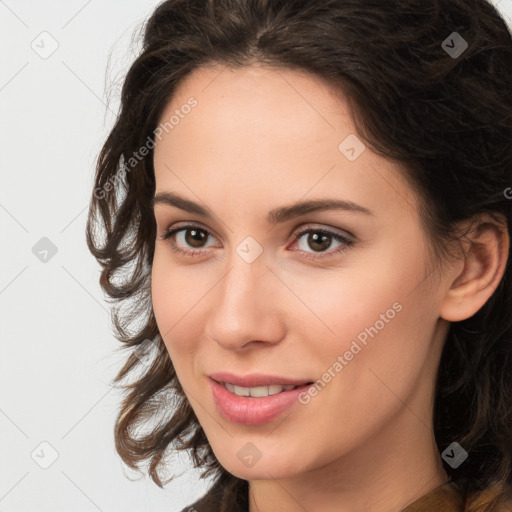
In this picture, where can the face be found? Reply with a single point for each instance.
(335, 296)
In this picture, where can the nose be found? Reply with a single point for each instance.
(246, 306)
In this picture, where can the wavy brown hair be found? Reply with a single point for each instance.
(447, 119)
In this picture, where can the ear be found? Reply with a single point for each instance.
(484, 259)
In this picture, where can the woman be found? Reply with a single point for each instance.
(309, 205)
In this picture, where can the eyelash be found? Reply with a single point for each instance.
(347, 243)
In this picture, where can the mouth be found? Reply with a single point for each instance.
(260, 391)
(257, 405)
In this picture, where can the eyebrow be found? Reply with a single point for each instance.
(281, 214)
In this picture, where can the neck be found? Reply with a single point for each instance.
(385, 473)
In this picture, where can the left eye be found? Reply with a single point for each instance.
(319, 240)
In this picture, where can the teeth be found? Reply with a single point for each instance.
(258, 391)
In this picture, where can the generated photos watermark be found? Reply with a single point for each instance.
(355, 348)
(127, 164)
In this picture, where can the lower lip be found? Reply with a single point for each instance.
(252, 410)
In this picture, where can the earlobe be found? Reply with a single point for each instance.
(485, 254)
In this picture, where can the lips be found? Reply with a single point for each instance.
(257, 379)
(251, 411)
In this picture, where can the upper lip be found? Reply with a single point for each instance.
(256, 379)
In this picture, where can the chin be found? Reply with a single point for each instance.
(279, 466)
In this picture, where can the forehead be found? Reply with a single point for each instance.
(256, 99)
(272, 130)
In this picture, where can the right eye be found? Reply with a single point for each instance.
(190, 235)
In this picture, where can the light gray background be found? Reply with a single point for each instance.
(56, 348)
(57, 355)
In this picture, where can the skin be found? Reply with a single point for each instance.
(258, 139)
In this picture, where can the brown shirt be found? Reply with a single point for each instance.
(447, 498)
(444, 498)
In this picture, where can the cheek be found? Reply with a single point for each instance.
(379, 346)
(171, 297)
(372, 313)
(339, 304)
(178, 296)
(161, 293)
